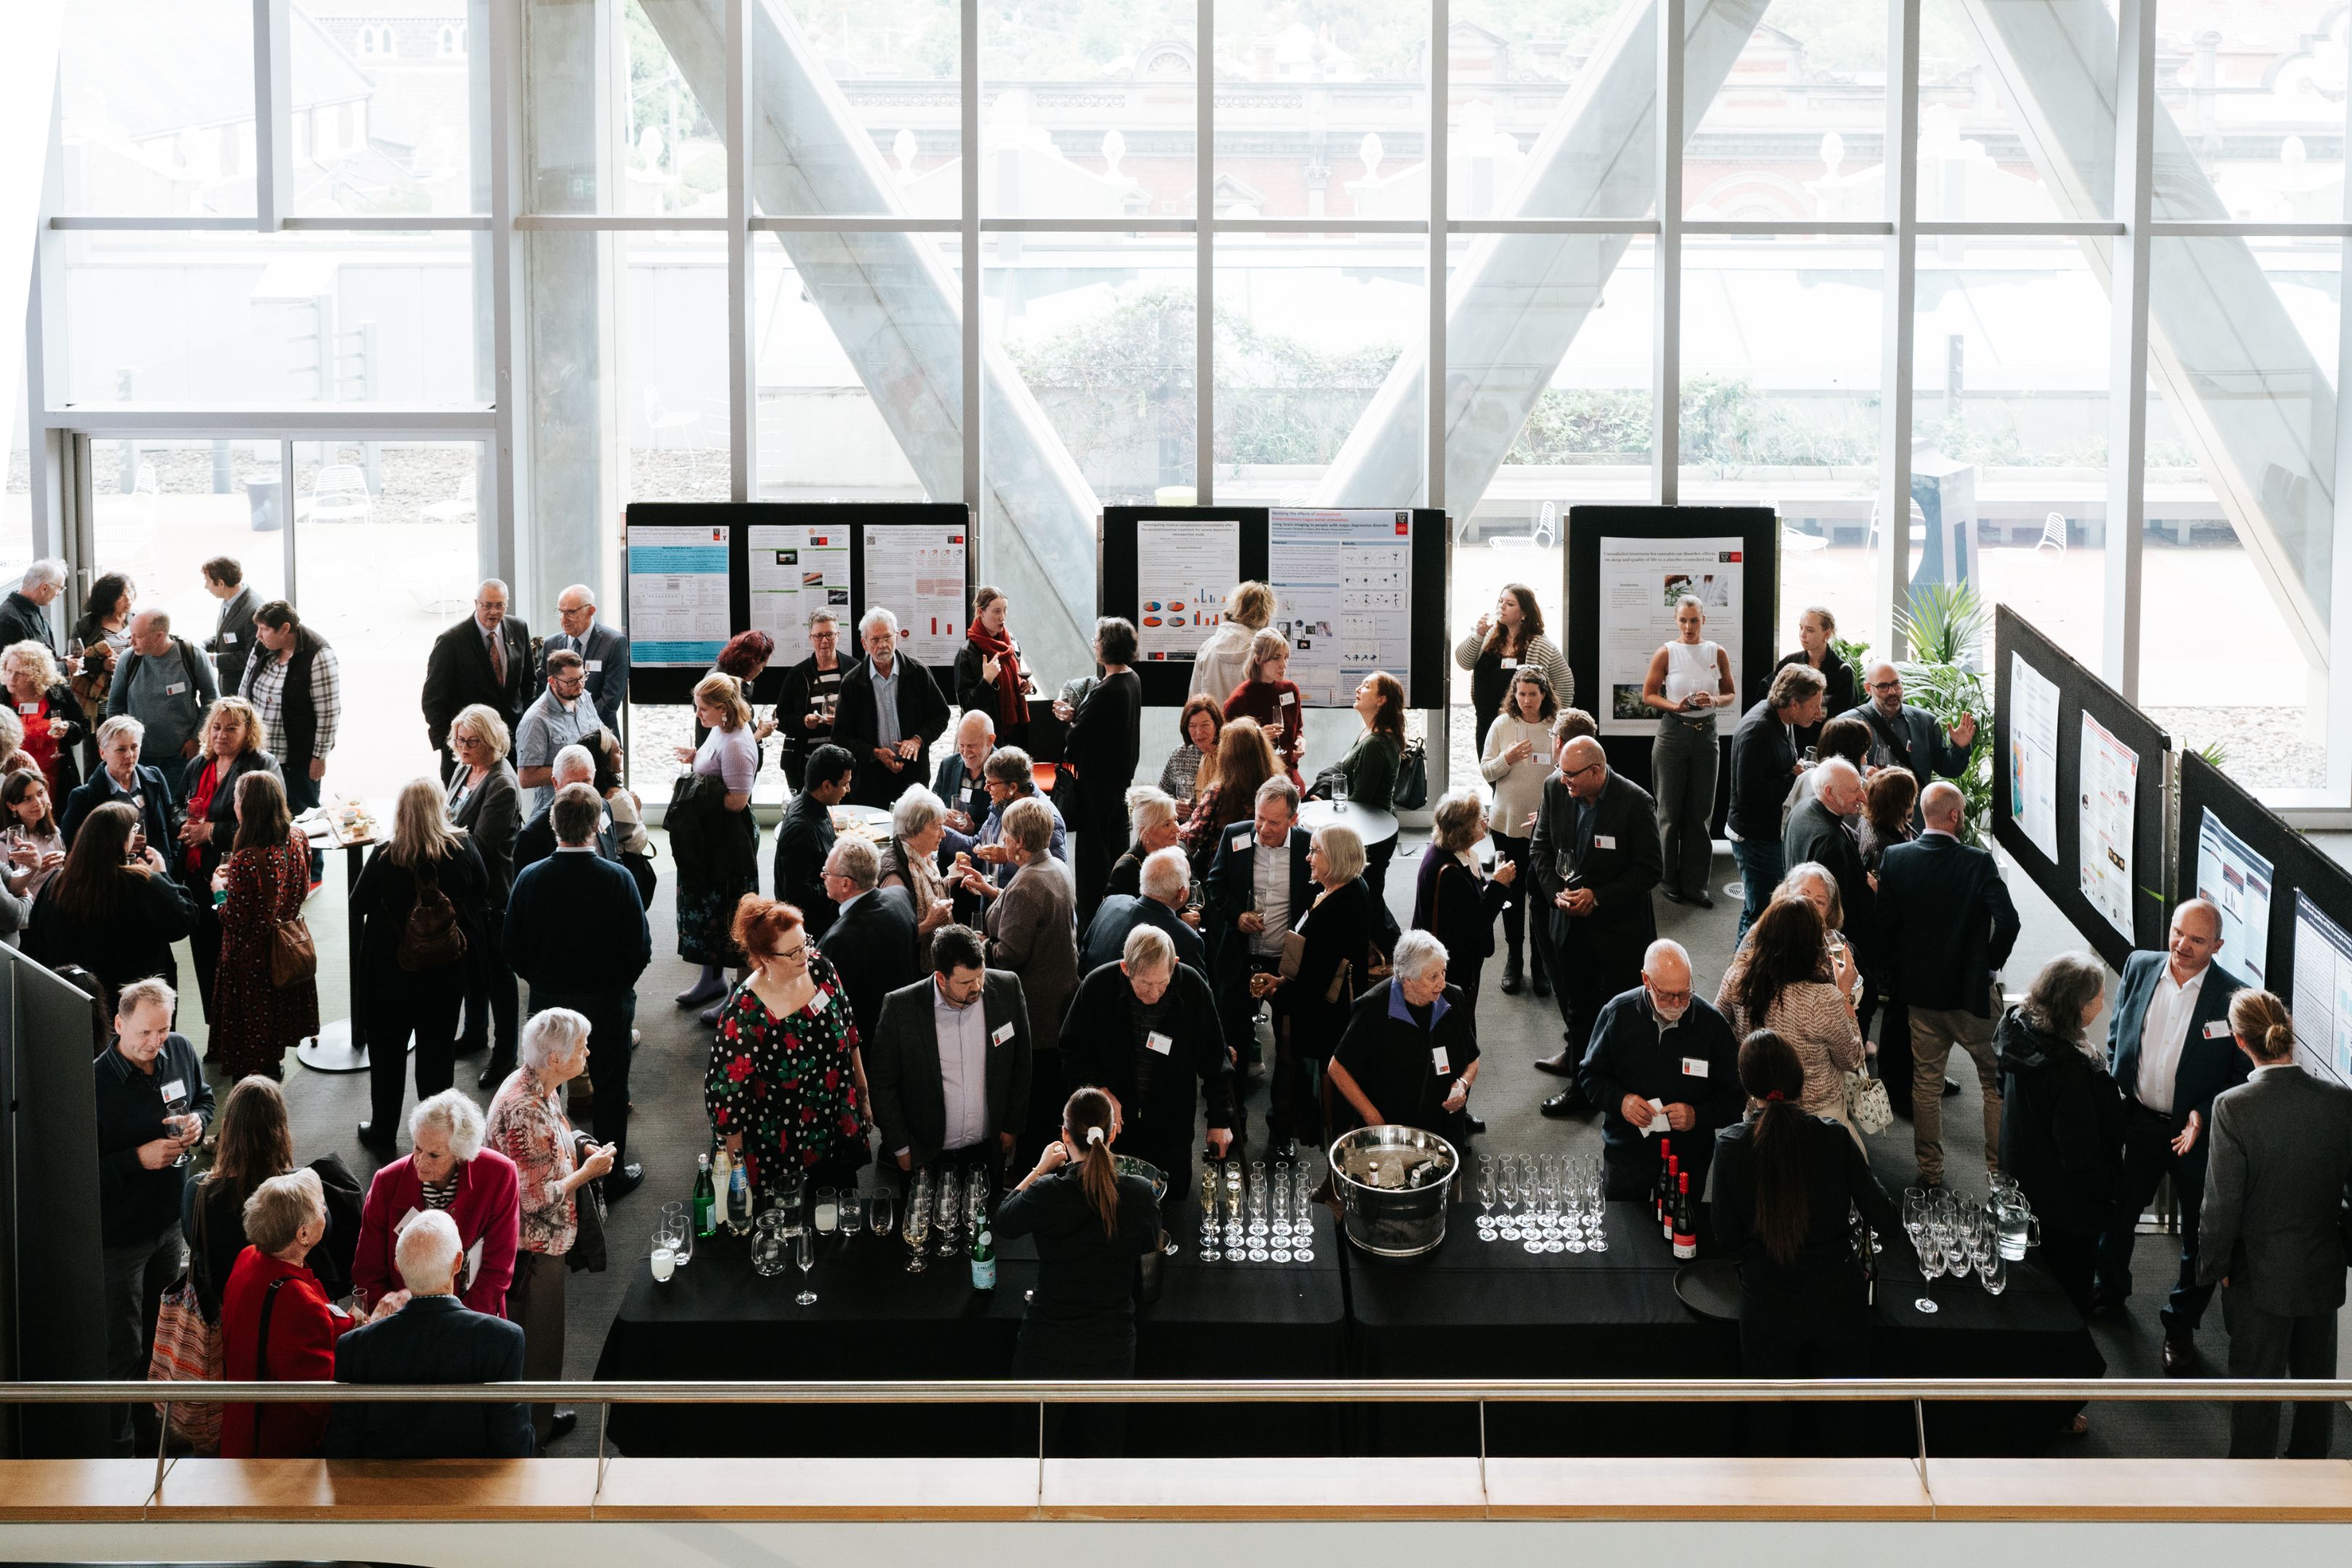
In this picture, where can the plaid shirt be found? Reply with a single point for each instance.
(265, 687)
(528, 1126)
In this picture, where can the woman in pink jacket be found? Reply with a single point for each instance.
(448, 1169)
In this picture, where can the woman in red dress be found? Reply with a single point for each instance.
(266, 876)
(49, 711)
(1274, 699)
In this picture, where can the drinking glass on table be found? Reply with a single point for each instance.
(853, 1214)
(1235, 1245)
(917, 1227)
(679, 1226)
(768, 1243)
(805, 1255)
(881, 1217)
(1277, 1203)
(1596, 1196)
(1258, 1251)
(828, 1210)
(1994, 1273)
(665, 1260)
(1571, 1209)
(1340, 792)
(1209, 1186)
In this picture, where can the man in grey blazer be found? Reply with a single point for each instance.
(949, 1064)
(2277, 1185)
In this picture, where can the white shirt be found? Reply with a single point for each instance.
(962, 1036)
(1270, 876)
(2163, 1033)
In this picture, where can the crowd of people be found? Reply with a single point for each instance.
(1039, 960)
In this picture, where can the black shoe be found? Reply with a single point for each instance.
(1702, 900)
(1538, 981)
(1674, 894)
(1560, 1066)
(563, 1426)
(623, 1180)
(1474, 1125)
(381, 1142)
(1565, 1105)
(1512, 979)
(2179, 1355)
(494, 1073)
(1286, 1149)
(1950, 1088)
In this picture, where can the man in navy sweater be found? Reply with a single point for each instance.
(576, 934)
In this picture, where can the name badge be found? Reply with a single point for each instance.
(228, 639)
(1694, 1066)
(1288, 700)
(175, 688)
(1510, 664)
(29, 708)
(817, 1002)
(1241, 839)
(1437, 1062)
(595, 667)
(1153, 1040)
(2219, 1029)
(1604, 841)
(175, 1090)
(1004, 1033)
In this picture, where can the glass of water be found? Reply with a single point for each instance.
(852, 1213)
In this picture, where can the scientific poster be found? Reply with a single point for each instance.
(2110, 798)
(2323, 993)
(1183, 568)
(917, 574)
(677, 595)
(2237, 881)
(796, 572)
(1640, 581)
(1343, 595)
(2033, 761)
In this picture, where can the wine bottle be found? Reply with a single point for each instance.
(984, 1249)
(1666, 1216)
(706, 1222)
(1686, 1236)
(1658, 1188)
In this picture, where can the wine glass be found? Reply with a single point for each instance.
(1487, 1184)
(174, 1108)
(805, 1255)
(1596, 1202)
(1918, 1227)
(1209, 1185)
(1572, 1207)
(917, 1228)
(1302, 1212)
(1994, 1273)
(1233, 1243)
(949, 1221)
(883, 1215)
(1278, 1203)
(1258, 1252)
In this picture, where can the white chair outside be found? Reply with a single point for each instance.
(660, 418)
(2053, 533)
(341, 494)
(466, 503)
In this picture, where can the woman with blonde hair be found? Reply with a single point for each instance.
(486, 805)
(1267, 694)
(718, 851)
(1219, 666)
(414, 970)
(49, 711)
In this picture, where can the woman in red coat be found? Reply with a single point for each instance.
(267, 876)
(448, 1169)
(277, 1323)
(1274, 699)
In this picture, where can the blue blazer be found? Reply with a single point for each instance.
(84, 798)
(1228, 887)
(2208, 1065)
(574, 923)
(433, 1339)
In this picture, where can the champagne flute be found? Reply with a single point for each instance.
(1209, 1185)
(1278, 1206)
(1596, 1195)
(807, 1258)
(917, 1226)
(1302, 1212)
(665, 1259)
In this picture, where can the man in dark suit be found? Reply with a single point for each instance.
(872, 943)
(576, 934)
(603, 651)
(536, 840)
(486, 658)
(2276, 1222)
(1763, 766)
(1944, 928)
(1596, 857)
(433, 1338)
(1257, 888)
(122, 776)
(1144, 1026)
(962, 782)
(888, 713)
(2170, 1047)
(24, 613)
(949, 1062)
(804, 837)
(1660, 1045)
(1167, 882)
(231, 643)
(1824, 831)
(1902, 736)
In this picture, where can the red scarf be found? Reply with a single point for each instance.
(1014, 692)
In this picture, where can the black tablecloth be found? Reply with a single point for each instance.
(873, 1319)
(1492, 1309)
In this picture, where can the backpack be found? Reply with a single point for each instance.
(430, 937)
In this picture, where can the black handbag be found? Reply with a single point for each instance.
(1412, 777)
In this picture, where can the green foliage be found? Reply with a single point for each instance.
(1943, 624)
(1854, 653)
(2215, 754)
(1727, 425)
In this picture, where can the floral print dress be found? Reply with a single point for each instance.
(789, 1086)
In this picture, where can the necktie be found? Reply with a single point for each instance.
(498, 657)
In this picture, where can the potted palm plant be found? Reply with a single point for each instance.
(1945, 626)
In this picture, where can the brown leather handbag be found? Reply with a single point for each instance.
(293, 956)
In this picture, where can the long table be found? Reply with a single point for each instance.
(716, 1317)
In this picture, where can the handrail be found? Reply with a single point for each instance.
(1268, 1390)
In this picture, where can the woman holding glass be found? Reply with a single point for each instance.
(1784, 1183)
(911, 860)
(1194, 764)
(786, 1086)
(728, 869)
(1091, 1223)
(1689, 679)
(1268, 695)
(1499, 646)
(1785, 981)
(53, 720)
(1516, 761)
(2062, 1117)
(989, 678)
(263, 884)
(229, 748)
(1368, 770)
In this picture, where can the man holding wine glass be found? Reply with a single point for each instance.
(154, 1106)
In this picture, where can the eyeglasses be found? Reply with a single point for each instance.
(1669, 996)
(1579, 773)
(791, 954)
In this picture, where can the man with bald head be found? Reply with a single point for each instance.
(1826, 829)
(1902, 736)
(603, 651)
(1662, 1068)
(1945, 926)
(1596, 858)
(165, 684)
(485, 658)
(2168, 1043)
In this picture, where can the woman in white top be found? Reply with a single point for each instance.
(1222, 662)
(1689, 679)
(1518, 760)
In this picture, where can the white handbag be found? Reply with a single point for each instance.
(1866, 1105)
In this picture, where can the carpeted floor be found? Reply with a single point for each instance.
(669, 1131)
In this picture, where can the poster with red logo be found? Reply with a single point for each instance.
(917, 574)
(1644, 583)
(1343, 595)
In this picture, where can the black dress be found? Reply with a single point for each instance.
(2062, 1136)
(1104, 739)
(1081, 1318)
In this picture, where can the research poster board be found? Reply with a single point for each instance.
(794, 570)
(2033, 755)
(919, 572)
(2235, 877)
(1346, 584)
(680, 610)
(1643, 583)
(1184, 568)
(2322, 998)
(2082, 807)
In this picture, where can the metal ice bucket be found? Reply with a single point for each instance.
(1392, 1222)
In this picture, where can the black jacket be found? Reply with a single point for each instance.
(1081, 1316)
(385, 893)
(974, 695)
(1617, 857)
(960, 790)
(1334, 932)
(2210, 1061)
(1104, 739)
(21, 620)
(156, 815)
(1229, 890)
(574, 923)
(433, 1339)
(133, 944)
(902, 1066)
(804, 838)
(457, 674)
(2062, 1127)
(1945, 924)
(1458, 910)
(1816, 833)
(1763, 769)
(873, 949)
(1393, 1060)
(1118, 916)
(535, 841)
(136, 1203)
(69, 729)
(1915, 742)
(1843, 691)
(231, 643)
(923, 715)
(1099, 1046)
(1629, 1056)
(221, 813)
(491, 816)
(792, 707)
(1837, 1179)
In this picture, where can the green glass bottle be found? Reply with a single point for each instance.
(706, 1200)
(983, 1251)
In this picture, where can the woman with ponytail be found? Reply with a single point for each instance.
(1091, 1225)
(1784, 1183)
